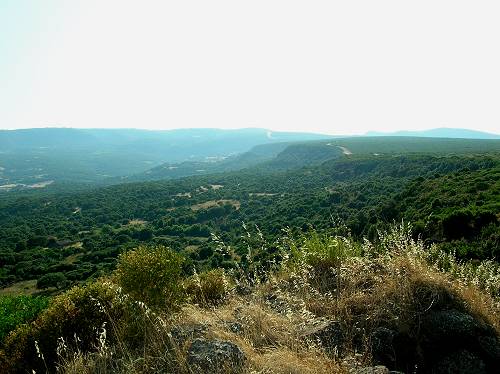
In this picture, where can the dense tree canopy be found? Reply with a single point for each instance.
(452, 200)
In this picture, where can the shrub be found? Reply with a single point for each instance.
(323, 254)
(75, 316)
(326, 251)
(16, 310)
(151, 274)
(57, 280)
(207, 288)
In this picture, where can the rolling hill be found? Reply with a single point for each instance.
(292, 155)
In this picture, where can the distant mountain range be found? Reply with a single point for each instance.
(172, 145)
(35, 158)
(442, 132)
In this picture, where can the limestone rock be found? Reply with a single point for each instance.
(215, 356)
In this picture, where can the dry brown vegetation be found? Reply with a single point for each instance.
(276, 319)
(213, 203)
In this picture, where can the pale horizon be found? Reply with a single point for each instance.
(325, 67)
(250, 128)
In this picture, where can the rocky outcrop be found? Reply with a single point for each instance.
(215, 356)
(447, 341)
(456, 342)
(395, 349)
(371, 370)
(460, 362)
(330, 334)
(184, 333)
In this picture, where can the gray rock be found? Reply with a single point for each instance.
(372, 370)
(184, 333)
(452, 324)
(235, 327)
(491, 348)
(461, 362)
(215, 356)
(396, 350)
(383, 345)
(330, 334)
(450, 340)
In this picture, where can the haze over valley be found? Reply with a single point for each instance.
(37, 158)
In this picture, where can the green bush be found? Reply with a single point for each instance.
(16, 310)
(76, 316)
(151, 274)
(207, 288)
(325, 251)
(57, 280)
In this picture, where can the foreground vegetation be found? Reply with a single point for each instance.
(325, 303)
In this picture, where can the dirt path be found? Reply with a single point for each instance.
(345, 150)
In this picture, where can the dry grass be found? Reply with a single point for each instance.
(261, 194)
(392, 285)
(213, 203)
(266, 338)
(137, 222)
(20, 288)
(285, 361)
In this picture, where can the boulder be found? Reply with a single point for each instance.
(183, 333)
(235, 327)
(454, 341)
(490, 346)
(460, 362)
(215, 356)
(396, 350)
(383, 346)
(371, 370)
(330, 334)
(452, 325)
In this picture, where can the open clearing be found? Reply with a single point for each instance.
(345, 150)
(72, 258)
(212, 203)
(10, 186)
(20, 288)
(137, 222)
(261, 194)
(40, 185)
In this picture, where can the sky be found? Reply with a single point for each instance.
(335, 67)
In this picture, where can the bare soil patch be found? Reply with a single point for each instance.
(212, 203)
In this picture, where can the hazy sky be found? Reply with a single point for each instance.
(336, 67)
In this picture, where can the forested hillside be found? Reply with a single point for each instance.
(311, 251)
(452, 200)
(286, 155)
